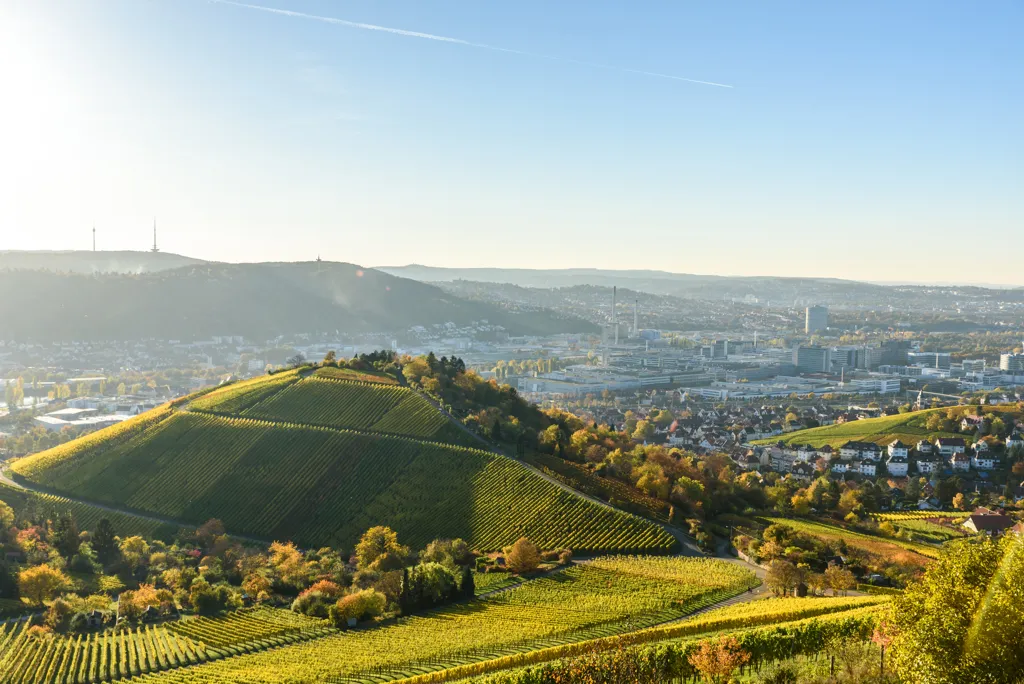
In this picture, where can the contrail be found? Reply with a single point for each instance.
(459, 41)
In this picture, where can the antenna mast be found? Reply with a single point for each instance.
(155, 248)
(94, 238)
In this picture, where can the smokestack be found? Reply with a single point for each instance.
(636, 317)
(615, 315)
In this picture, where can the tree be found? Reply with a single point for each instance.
(41, 582)
(378, 549)
(958, 501)
(717, 660)
(6, 517)
(523, 556)
(839, 579)
(286, 560)
(644, 431)
(104, 541)
(64, 535)
(135, 551)
(962, 622)
(358, 606)
(782, 577)
(467, 587)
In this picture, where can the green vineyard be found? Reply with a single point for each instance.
(245, 630)
(109, 655)
(98, 657)
(576, 605)
(26, 502)
(321, 486)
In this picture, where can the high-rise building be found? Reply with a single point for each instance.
(812, 359)
(1013, 363)
(816, 319)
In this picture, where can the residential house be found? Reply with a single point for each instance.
(960, 462)
(992, 524)
(950, 445)
(869, 467)
(898, 465)
(803, 471)
(925, 447)
(929, 463)
(1016, 439)
(898, 448)
(982, 457)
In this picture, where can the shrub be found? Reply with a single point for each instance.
(523, 556)
(359, 606)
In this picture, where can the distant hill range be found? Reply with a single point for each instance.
(771, 289)
(259, 301)
(81, 261)
(655, 282)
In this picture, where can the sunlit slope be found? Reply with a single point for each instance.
(908, 427)
(319, 461)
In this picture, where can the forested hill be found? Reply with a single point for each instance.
(259, 301)
(82, 261)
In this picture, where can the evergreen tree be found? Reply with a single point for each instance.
(104, 541)
(405, 596)
(65, 535)
(468, 583)
(8, 583)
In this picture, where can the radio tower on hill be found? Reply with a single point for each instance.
(94, 238)
(155, 248)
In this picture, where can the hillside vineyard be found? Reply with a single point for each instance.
(318, 458)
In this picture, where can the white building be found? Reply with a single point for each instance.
(898, 448)
(898, 465)
(960, 462)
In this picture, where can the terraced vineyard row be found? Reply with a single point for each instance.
(239, 396)
(248, 625)
(68, 456)
(321, 486)
(320, 401)
(97, 657)
(918, 515)
(86, 516)
(544, 613)
(354, 375)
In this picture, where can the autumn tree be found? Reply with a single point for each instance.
(286, 560)
(378, 549)
(104, 541)
(523, 556)
(41, 582)
(135, 551)
(717, 660)
(783, 577)
(958, 501)
(839, 579)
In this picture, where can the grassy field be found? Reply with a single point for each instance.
(893, 549)
(323, 486)
(908, 427)
(581, 603)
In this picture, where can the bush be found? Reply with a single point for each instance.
(523, 556)
(361, 605)
(313, 603)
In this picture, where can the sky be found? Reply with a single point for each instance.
(867, 140)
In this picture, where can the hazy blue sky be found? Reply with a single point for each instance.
(872, 140)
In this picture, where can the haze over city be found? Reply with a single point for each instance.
(864, 141)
